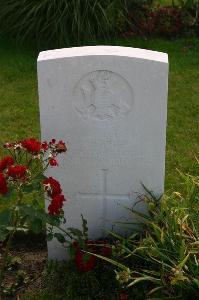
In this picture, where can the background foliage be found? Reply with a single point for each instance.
(62, 22)
(162, 18)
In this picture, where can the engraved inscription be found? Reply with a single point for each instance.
(103, 95)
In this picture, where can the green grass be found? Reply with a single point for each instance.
(19, 112)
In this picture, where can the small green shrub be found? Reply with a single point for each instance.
(61, 23)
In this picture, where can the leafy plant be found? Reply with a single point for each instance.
(63, 22)
(22, 186)
(166, 254)
(168, 21)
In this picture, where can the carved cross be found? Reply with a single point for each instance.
(104, 196)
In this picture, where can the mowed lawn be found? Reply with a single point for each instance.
(19, 111)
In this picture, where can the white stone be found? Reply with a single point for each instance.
(110, 105)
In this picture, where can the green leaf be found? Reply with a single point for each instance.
(5, 217)
(140, 214)
(183, 262)
(36, 225)
(52, 220)
(151, 194)
(49, 236)
(75, 232)
(113, 262)
(196, 282)
(154, 290)
(9, 195)
(144, 278)
(3, 233)
(36, 185)
(40, 177)
(28, 188)
(10, 228)
(27, 210)
(35, 202)
(60, 237)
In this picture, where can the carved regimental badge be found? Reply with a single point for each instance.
(103, 95)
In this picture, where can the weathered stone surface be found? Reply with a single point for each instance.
(109, 104)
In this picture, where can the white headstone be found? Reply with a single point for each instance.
(110, 105)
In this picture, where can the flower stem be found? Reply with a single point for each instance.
(14, 225)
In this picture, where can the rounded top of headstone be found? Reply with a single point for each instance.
(103, 51)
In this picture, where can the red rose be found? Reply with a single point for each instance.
(32, 145)
(56, 205)
(53, 210)
(17, 172)
(3, 185)
(58, 200)
(84, 261)
(53, 162)
(52, 187)
(6, 162)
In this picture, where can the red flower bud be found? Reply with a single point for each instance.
(53, 162)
